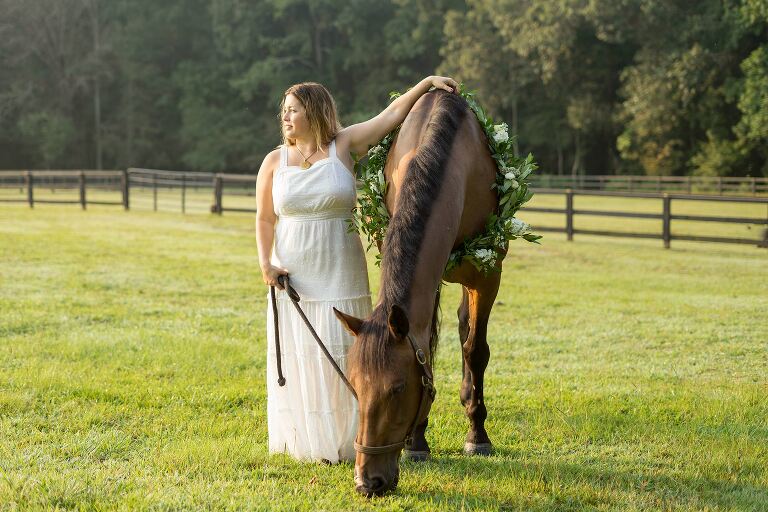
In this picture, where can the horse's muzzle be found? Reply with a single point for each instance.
(376, 486)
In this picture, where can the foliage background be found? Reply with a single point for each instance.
(590, 86)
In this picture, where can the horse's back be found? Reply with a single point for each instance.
(466, 197)
(472, 160)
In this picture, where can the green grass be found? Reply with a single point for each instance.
(132, 375)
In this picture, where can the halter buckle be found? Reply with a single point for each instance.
(428, 386)
(421, 357)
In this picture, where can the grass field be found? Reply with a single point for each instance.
(132, 375)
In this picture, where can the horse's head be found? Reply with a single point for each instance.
(388, 372)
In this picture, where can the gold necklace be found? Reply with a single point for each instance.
(305, 164)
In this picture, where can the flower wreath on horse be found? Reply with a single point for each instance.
(371, 217)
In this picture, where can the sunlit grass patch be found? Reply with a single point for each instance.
(132, 363)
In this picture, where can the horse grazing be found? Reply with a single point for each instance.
(439, 173)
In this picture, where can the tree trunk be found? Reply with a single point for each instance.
(515, 147)
(93, 10)
(576, 167)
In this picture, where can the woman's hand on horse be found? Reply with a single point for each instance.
(270, 274)
(445, 83)
(358, 138)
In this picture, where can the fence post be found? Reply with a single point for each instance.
(183, 193)
(154, 192)
(658, 183)
(569, 213)
(690, 187)
(666, 220)
(720, 185)
(754, 186)
(82, 189)
(217, 192)
(30, 189)
(764, 243)
(124, 183)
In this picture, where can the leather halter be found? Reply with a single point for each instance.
(427, 394)
(427, 380)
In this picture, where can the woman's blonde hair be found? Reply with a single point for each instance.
(321, 112)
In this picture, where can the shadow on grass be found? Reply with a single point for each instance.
(572, 486)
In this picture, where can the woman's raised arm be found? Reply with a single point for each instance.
(359, 137)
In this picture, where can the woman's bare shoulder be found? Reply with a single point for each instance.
(343, 141)
(270, 162)
(342, 136)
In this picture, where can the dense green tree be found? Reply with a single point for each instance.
(557, 63)
(617, 86)
(46, 52)
(687, 98)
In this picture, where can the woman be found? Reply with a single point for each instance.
(305, 192)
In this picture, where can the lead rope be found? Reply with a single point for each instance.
(280, 378)
(295, 298)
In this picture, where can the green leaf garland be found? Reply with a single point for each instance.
(371, 218)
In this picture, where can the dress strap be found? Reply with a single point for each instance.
(283, 156)
(332, 149)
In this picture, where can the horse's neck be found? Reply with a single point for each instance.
(418, 295)
(425, 198)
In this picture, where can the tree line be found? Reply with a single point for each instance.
(657, 87)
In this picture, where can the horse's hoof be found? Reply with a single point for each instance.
(478, 448)
(416, 455)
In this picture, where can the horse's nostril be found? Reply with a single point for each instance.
(375, 486)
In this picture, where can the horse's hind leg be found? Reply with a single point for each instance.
(474, 312)
(466, 376)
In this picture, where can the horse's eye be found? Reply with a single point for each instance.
(398, 388)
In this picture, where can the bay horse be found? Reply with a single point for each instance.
(439, 174)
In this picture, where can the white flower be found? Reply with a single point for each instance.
(509, 175)
(485, 255)
(500, 132)
(516, 226)
(375, 150)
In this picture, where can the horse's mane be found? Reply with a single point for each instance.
(405, 234)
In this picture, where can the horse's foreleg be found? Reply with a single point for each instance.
(418, 450)
(476, 355)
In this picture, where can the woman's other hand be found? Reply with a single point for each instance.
(445, 83)
(270, 273)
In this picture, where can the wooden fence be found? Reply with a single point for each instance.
(673, 184)
(666, 217)
(27, 182)
(222, 192)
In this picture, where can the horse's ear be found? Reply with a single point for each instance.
(349, 322)
(398, 322)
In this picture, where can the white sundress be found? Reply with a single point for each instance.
(314, 416)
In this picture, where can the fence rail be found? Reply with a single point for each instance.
(666, 216)
(721, 185)
(224, 192)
